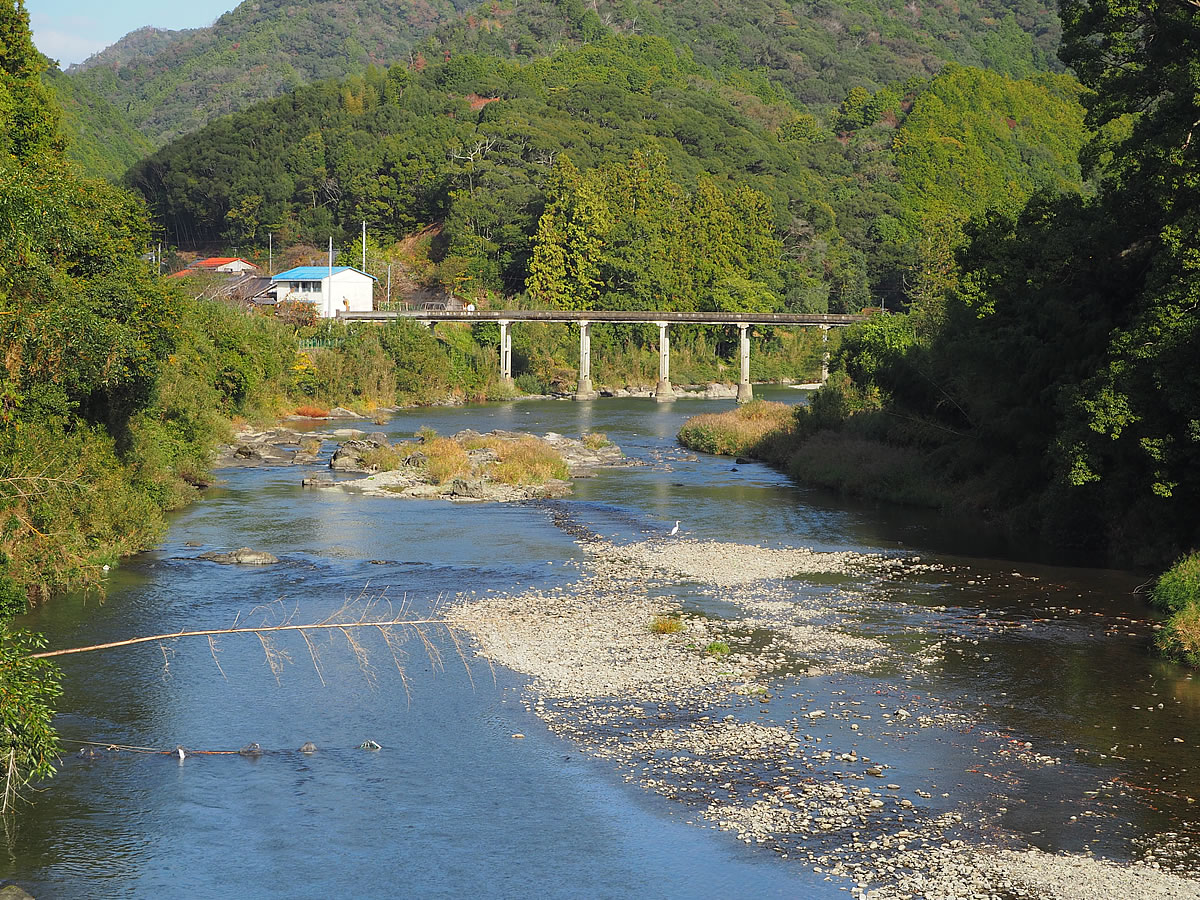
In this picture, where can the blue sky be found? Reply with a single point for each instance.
(72, 30)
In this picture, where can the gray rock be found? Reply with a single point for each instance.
(340, 412)
(309, 747)
(349, 456)
(468, 487)
(252, 750)
(716, 391)
(260, 451)
(243, 556)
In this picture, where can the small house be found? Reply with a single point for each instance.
(331, 289)
(232, 264)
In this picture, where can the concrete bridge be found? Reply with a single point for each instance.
(663, 391)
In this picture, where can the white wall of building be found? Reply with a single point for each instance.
(346, 291)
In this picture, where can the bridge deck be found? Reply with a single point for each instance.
(625, 316)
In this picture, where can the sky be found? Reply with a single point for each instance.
(72, 30)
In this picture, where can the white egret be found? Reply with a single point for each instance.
(675, 530)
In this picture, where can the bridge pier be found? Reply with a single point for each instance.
(663, 390)
(825, 356)
(745, 392)
(585, 391)
(506, 351)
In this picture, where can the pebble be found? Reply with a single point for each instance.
(648, 702)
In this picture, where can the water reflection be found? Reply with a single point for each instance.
(453, 804)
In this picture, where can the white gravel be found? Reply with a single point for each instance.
(658, 706)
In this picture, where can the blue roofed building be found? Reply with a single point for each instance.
(331, 290)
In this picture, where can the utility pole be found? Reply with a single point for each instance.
(364, 239)
(270, 253)
(389, 296)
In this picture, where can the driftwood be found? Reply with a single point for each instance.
(219, 631)
(364, 612)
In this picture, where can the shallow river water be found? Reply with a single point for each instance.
(1070, 735)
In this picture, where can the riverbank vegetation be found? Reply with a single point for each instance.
(1047, 378)
(1177, 593)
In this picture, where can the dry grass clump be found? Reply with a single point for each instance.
(522, 460)
(310, 445)
(446, 459)
(518, 460)
(739, 431)
(666, 625)
(526, 461)
(312, 412)
(596, 440)
(385, 459)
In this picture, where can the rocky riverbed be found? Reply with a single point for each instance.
(406, 469)
(621, 663)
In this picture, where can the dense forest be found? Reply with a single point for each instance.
(169, 83)
(856, 210)
(113, 389)
(1046, 379)
(100, 137)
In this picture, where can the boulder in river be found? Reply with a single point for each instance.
(260, 451)
(349, 456)
(716, 391)
(243, 556)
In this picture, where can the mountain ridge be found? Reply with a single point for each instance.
(172, 82)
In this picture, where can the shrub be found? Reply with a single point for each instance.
(1180, 636)
(738, 432)
(666, 624)
(717, 648)
(312, 412)
(1179, 587)
(595, 440)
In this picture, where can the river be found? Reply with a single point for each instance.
(452, 804)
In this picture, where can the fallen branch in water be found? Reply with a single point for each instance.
(367, 611)
(219, 631)
(363, 612)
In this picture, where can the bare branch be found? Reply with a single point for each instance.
(212, 648)
(217, 631)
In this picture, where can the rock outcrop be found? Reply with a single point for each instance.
(243, 556)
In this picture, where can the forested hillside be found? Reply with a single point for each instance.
(1051, 372)
(100, 137)
(815, 50)
(169, 83)
(472, 142)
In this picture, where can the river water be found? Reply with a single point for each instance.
(452, 804)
